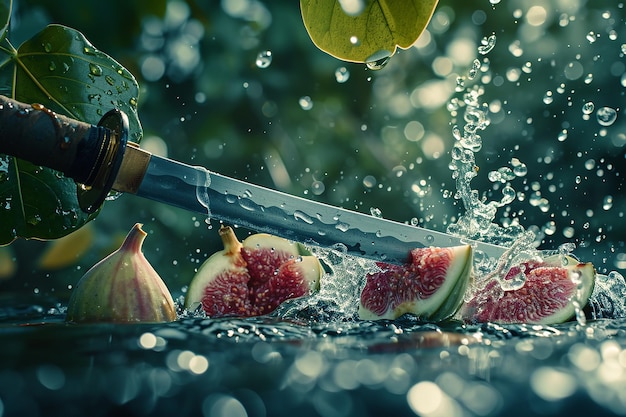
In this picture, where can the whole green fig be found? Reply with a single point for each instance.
(122, 288)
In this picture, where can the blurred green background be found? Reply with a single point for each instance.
(327, 130)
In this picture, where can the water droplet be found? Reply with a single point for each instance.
(369, 181)
(95, 69)
(299, 215)
(306, 103)
(473, 71)
(607, 203)
(487, 44)
(354, 40)
(548, 98)
(65, 142)
(515, 280)
(588, 107)
(494, 176)
(264, 59)
(520, 170)
(33, 219)
(378, 60)
(92, 97)
(573, 70)
(52, 66)
(47, 47)
(376, 212)
(591, 36)
(562, 135)
(606, 116)
(352, 7)
(342, 74)
(318, 187)
(398, 171)
(110, 80)
(344, 227)
(133, 102)
(89, 50)
(460, 84)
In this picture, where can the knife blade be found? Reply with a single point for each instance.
(100, 158)
(266, 210)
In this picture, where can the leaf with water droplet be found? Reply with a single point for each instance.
(95, 69)
(380, 27)
(43, 205)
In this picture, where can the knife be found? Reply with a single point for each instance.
(100, 159)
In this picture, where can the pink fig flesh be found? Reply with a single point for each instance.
(254, 277)
(430, 286)
(122, 288)
(546, 296)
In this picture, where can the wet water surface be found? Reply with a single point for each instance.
(271, 366)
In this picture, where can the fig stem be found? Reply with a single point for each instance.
(229, 240)
(134, 239)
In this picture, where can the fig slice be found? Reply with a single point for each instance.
(431, 285)
(253, 277)
(546, 297)
(122, 288)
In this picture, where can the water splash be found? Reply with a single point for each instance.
(340, 289)
(478, 221)
(487, 44)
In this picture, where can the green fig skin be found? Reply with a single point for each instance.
(122, 288)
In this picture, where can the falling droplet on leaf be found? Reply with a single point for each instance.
(378, 60)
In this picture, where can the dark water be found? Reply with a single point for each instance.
(273, 366)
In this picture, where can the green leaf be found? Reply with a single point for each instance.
(365, 30)
(5, 17)
(62, 70)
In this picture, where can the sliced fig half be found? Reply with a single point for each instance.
(430, 286)
(253, 277)
(547, 296)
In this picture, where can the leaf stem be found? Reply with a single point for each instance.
(7, 47)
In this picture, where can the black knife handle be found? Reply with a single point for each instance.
(89, 154)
